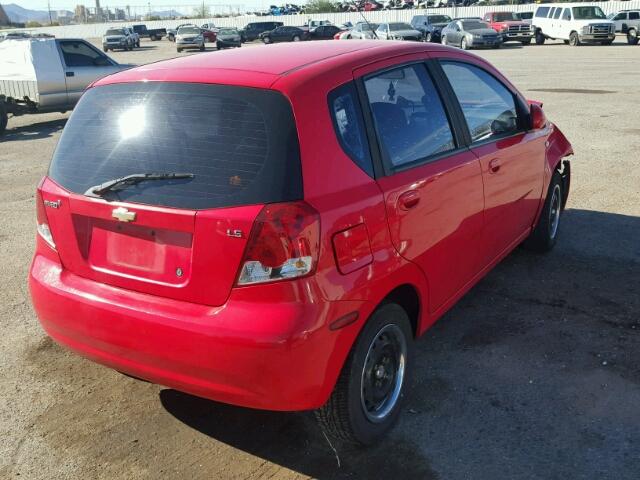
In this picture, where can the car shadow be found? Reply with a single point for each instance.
(32, 131)
(294, 441)
(514, 382)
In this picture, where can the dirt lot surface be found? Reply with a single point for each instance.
(535, 374)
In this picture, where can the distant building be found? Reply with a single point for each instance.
(4, 18)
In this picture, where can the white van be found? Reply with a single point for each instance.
(575, 23)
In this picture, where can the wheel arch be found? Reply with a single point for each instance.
(408, 297)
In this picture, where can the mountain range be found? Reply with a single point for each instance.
(18, 14)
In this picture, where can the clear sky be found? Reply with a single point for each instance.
(155, 5)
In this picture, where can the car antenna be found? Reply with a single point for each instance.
(365, 19)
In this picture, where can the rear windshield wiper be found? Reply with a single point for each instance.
(101, 189)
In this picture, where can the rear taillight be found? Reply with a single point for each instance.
(283, 244)
(42, 222)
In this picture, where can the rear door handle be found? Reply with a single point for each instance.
(409, 200)
(70, 74)
(494, 165)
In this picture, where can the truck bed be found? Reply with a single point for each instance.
(18, 89)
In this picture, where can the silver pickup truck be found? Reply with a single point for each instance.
(48, 75)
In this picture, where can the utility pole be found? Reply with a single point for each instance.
(49, 8)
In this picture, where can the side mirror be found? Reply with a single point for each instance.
(538, 118)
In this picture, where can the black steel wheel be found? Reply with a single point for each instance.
(544, 235)
(365, 402)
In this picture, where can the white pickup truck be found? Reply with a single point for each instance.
(48, 75)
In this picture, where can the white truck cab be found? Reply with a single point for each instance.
(575, 23)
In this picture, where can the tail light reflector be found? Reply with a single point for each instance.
(283, 244)
(42, 221)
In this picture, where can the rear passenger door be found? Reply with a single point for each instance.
(512, 158)
(432, 185)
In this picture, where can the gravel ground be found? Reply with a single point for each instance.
(535, 374)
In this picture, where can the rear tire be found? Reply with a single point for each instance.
(632, 36)
(296, 38)
(4, 118)
(544, 235)
(365, 402)
(266, 40)
(428, 37)
(179, 50)
(540, 38)
(201, 48)
(443, 40)
(463, 44)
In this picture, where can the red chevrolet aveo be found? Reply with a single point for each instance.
(273, 227)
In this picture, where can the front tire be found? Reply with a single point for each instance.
(201, 48)
(428, 37)
(463, 44)
(266, 40)
(4, 118)
(540, 39)
(544, 235)
(526, 42)
(574, 39)
(632, 36)
(443, 40)
(296, 38)
(365, 402)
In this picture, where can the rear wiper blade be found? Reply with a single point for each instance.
(102, 188)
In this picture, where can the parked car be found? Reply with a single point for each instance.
(430, 26)
(209, 35)
(189, 37)
(152, 34)
(627, 22)
(510, 26)
(313, 24)
(135, 38)
(117, 39)
(253, 30)
(363, 31)
(468, 34)
(325, 32)
(172, 32)
(575, 23)
(397, 31)
(208, 26)
(284, 34)
(261, 281)
(228, 38)
(48, 75)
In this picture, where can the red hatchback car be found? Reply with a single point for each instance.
(273, 228)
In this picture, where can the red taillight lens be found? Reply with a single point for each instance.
(42, 221)
(284, 243)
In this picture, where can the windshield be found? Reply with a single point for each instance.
(439, 19)
(228, 31)
(394, 27)
(189, 31)
(115, 32)
(588, 13)
(474, 25)
(239, 143)
(505, 16)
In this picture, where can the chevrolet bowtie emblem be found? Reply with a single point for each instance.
(123, 214)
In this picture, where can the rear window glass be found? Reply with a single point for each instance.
(239, 143)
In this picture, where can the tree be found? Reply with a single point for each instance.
(201, 11)
(33, 24)
(320, 6)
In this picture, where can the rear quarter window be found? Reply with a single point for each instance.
(240, 143)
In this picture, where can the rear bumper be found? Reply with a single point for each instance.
(259, 353)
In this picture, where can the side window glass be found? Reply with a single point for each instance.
(566, 14)
(79, 54)
(488, 106)
(542, 12)
(634, 16)
(349, 126)
(409, 118)
(557, 14)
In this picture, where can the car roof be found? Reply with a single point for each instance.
(261, 66)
